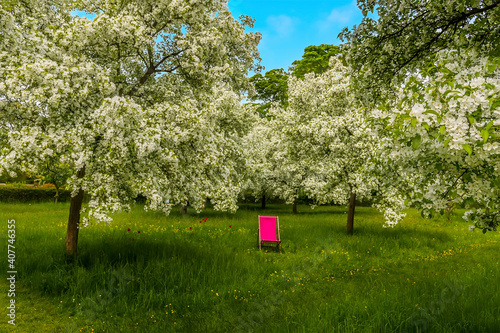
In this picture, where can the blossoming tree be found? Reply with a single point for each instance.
(445, 126)
(431, 72)
(142, 99)
(261, 145)
(406, 35)
(269, 172)
(328, 146)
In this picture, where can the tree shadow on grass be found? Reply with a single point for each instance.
(100, 256)
(167, 263)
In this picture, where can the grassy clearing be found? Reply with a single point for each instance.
(179, 275)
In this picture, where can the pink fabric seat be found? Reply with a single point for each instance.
(269, 231)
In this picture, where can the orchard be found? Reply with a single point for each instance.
(154, 105)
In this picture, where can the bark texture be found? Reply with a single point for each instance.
(74, 220)
(350, 213)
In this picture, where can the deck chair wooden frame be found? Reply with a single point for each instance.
(268, 237)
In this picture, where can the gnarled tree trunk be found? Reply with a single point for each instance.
(294, 206)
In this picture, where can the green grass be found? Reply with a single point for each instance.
(421, 276)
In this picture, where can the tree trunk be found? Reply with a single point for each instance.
(184, 209)
(350, 213)
(294, 206)
(263, 205)
(57, 194)
(74, 220)
(205, 203)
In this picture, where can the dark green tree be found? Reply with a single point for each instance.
(316, 60)
(270, 88)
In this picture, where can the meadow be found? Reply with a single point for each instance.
(204, 273)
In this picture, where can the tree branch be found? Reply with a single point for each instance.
(454, 183)
(153, 69)
(350, 133)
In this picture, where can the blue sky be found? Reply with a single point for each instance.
(288, 26)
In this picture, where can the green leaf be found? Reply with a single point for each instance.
(492, 68)
(471, 119)
(446, 142)
(468, 149)
(426, 126)
(416, 141)
(489, 125)
(414, 122)
(494, 104)
(431, 112)
(450, 91)
(485, 134)
(468, 178)
(484, 231)
(496, 181)
(442, 129)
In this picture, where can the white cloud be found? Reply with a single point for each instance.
(340, 17)
(282, 25)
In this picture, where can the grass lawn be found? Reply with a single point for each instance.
(180, 275)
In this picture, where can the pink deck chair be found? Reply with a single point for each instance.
(269, 231)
